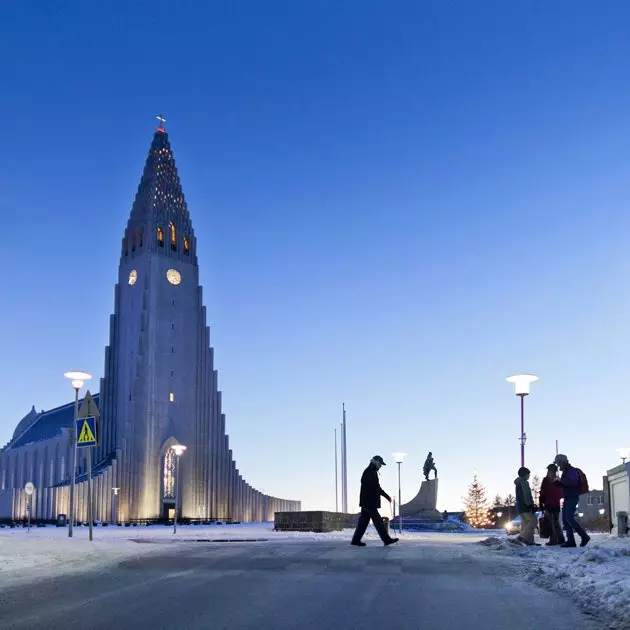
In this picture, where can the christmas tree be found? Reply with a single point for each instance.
(535, 487)
(477, 513)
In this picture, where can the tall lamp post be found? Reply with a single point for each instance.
(522, 383)
(115, 506)
(623, 453)
(398, 458)
(178, 449)
(78, 379)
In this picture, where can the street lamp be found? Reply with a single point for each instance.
(178, 449)
(522, 384)
(398, 458)
(115, 506)
(623, 453)
(77, 379)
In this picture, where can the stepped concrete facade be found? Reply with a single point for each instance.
(424, 504)
(160, 388)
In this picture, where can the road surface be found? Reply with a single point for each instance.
(292, 586)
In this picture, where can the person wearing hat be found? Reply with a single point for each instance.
(550, 495)
(570, 483)
(525, 508)
(370, 502)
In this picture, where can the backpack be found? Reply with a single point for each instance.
(582, 482)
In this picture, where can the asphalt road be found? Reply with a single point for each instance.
(295, 585)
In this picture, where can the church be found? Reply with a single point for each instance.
(159, 390)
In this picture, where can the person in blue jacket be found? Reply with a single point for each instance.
(570, 482)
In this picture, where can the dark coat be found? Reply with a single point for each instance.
(550, 494)
(524, 501)
(570, 482)
(371, 491)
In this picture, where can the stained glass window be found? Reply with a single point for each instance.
(186, 245)
(160, 237)
(169, 474)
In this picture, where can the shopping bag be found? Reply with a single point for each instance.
(544, 527)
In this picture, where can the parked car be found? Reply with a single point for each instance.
(514, 527)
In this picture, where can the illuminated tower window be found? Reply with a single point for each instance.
(160, 237)
(186, 245)
(169, 474)
(173, 236)
(171, 397)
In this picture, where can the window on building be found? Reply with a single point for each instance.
(160, 237)
(140, 237)
(169, 474)
(589, 500)
(171, 397)
(133, 241)
(172, 349)
(173, 236)
(186, 245)
(126, 246)
(172, 325)
(172, 302)
(172, 372)
(600, 500)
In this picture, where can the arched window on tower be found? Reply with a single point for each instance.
(160, 237)
(169, 474)
(140, 236)
(133, 241)
(171, 227)
(186, 245)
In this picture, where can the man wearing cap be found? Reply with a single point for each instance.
(370, 502)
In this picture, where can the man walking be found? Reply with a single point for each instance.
(370, 502)
(550, 495)
(525, 507)
(570, 482)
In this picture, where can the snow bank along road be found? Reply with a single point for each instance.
(293, 583)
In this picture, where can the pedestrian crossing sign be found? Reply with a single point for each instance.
(86, 431)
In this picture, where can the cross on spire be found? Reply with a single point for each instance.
(161, 120)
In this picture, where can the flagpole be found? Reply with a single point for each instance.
(336, 481)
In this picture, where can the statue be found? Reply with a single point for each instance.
(429, 465)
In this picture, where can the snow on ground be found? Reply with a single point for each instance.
(597, 576)
(47, 551)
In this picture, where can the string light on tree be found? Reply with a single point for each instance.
(477, 511)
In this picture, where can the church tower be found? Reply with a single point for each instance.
(159, 389)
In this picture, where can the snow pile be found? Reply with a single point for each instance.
(598, 576)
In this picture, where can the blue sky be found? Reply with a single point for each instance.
(397, 206)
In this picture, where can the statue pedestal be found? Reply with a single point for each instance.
(424, 504)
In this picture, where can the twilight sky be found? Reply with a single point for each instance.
(397, 204)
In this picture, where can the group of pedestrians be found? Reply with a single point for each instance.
(558, 496)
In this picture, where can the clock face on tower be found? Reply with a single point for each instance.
(173, 276)
(133, 276)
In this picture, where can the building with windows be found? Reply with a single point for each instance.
(160, 389)
(590, 505)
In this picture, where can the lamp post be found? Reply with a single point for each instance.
(522, 383)
(178, 449)
(115, 506)
(623, 453)
(398, 458)
(78, 378)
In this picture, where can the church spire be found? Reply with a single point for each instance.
(159, 219)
